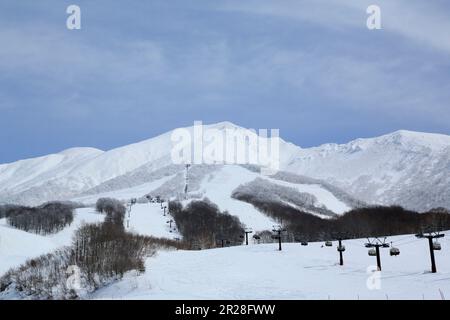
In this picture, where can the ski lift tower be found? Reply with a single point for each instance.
(247, 231)
(129, 205)
(434, 245)
(341, 249)
(186, 180)
(278, 231)
(377, 244)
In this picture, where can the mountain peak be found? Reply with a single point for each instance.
(432, 140)
(223, 125)
(80, 151)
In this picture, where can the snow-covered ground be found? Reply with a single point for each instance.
(124, 194)
(218, 188)
(257, 271)
(324, 197)
(16, 246)
(148, 219)
(297, 272)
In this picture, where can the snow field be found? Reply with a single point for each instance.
(219, 186)
(16, 246)
(148, 219)
(297, 272)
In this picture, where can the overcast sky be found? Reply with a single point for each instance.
(139, 68)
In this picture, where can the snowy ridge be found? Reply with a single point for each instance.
(411, 169)
(407, 168)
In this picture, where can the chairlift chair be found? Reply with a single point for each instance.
(304, 243)
(436, 246)
(328, 243)
(394, 251)
(372, 252)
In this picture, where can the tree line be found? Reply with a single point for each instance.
(100, 253)
(46, 219)
(373, 221)
(203, 225)
(114, 210)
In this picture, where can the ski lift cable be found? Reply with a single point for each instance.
(404, 238)
(352, 244)
(407, 242)
(407, 238)
(402, 244)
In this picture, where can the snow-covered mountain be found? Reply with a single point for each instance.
(407, 168)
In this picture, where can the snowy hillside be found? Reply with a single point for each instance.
(149, 219)
(407, 168)
(16, 246)
(297, 272)
(218, 182)
(257, 271)
(218, 187)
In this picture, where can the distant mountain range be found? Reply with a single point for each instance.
(411, 169)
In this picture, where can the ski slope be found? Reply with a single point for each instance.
(218, 188)
(297, 272)
(148, 219)
(325, 197)
(257, 271)
(16, 246)
(124, 194)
